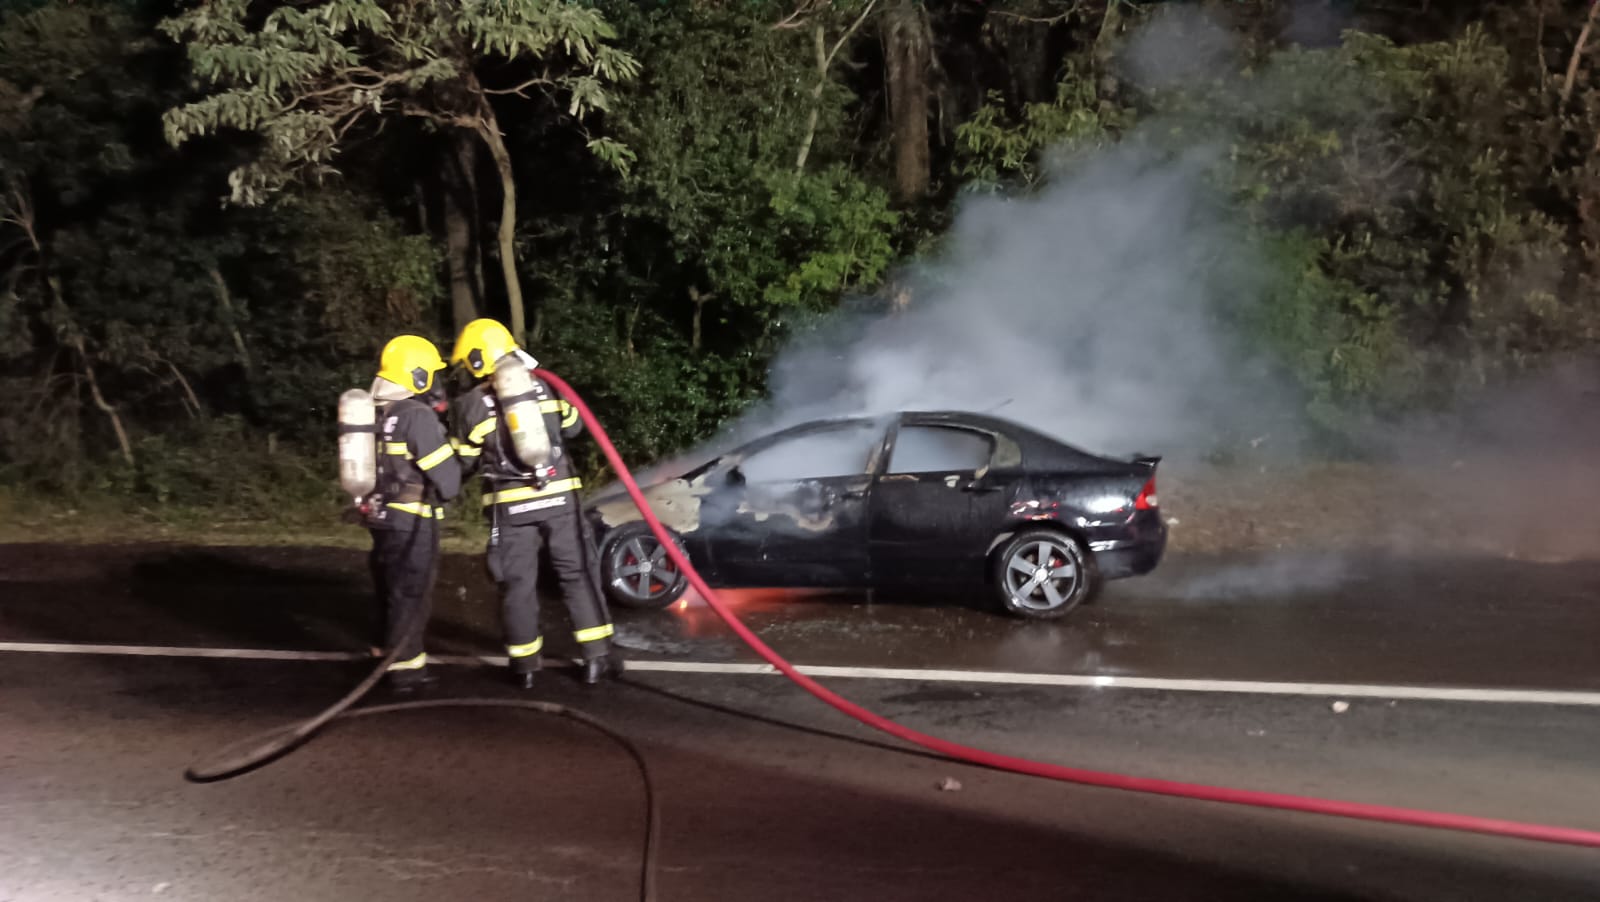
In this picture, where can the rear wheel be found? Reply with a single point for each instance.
(636, 570)
(1042, 574)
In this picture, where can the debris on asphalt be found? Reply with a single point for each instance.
(1341, 707)
(950, 784)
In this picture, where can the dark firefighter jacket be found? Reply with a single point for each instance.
(414, 453)
(511, 496)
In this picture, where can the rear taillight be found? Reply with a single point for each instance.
(1147, 497)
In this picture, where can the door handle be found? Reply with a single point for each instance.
(979, 488)
(854, 494)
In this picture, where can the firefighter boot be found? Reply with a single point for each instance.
(600, 666)
(408, 682)
(523, 671)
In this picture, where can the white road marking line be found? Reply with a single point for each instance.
(1237, 687)
(179, 651)
(1243, 687)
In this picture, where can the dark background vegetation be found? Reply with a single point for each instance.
(200, 248)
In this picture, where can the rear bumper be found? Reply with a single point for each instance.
(1137, 552)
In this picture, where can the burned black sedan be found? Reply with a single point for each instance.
(929, 500)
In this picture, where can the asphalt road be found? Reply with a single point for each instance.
(766, 794)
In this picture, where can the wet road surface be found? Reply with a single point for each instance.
(1451, 622)
(768, 795)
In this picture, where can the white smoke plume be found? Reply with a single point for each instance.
(1090, 311)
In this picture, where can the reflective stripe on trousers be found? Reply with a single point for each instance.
(525, 651)
(417, 663)
(595, 633)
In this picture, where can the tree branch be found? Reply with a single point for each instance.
(521, 90)
(100, 399)
(851, 30)
(188, 390)
(225, 300)
(21, 211)
(20, 214)
(796, 18)
(824, 63)
(1538, 45)
(1038, 20)
(459, 120)
(1577, 52)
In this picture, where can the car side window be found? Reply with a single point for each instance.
(828, 453)
(940, 449)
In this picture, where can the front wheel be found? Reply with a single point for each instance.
(1042, 574)
(636, 571)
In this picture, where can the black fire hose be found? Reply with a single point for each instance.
(263, 748)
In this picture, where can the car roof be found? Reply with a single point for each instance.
(1038, 449)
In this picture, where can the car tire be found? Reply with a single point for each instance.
(623, 551)
(1024, 592)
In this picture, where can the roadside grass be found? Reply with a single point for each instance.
(28, 515)
(1480, 507)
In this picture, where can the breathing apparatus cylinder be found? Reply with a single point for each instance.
(358, 443)
(519, 406)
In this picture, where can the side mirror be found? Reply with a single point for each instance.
(735, 475)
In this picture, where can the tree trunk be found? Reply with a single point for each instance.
(633, 323)
(462, 256)
(489, 131)
(229, 317)
(699, 301)
(820, 39)
(907, 50)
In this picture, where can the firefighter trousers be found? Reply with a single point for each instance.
(513, 558)
(404, 565)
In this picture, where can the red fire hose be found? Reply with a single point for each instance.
(1357, 810)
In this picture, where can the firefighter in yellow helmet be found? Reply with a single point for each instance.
(417, 473)
(531, 506)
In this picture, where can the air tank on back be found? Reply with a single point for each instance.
(358, 443)
(519, 406)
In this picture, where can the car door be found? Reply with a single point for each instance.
(793, 512)
(932, 504)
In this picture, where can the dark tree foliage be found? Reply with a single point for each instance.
(1423, 178)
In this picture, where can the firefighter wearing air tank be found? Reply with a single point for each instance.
(398, 465)
(512, 427)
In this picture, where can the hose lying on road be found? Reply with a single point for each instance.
(253, 752)
(256, 751)
(958, 752)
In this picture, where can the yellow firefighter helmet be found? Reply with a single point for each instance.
(410, 361)
(482, 343)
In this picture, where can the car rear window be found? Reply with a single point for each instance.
(940, 449)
